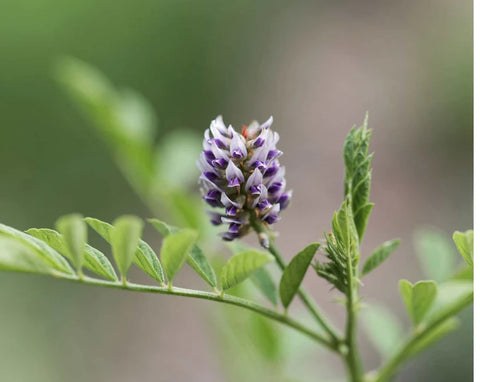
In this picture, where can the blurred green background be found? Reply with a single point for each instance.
(316, 66)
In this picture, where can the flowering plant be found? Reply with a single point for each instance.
(241, 178)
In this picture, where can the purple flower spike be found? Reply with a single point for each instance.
(241, 175)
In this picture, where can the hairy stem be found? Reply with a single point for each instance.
(352, 357)
(302, 293)
(389, 369)
(224, 298)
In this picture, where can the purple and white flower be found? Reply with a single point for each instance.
(242, 175)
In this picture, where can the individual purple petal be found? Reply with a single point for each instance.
(219, 163)
(215, 218)
(259, 154)
(274, 154)
(212, 197)
(238, 149)
(254, 179)
(229, 236)
(209, 156)
(234, 175)
(260, 165)
(219, 153)
(275, 187)
(267, 123)
(211, 176)
(234, 227)
(270, 171)
(221, 144)
(231, 211)
(284, 200)
(263, 205)
(272, 215)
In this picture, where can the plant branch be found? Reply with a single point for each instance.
(302, 293)
(226, 299)
(388, 370)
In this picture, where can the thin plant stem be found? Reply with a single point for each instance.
(223, 298)
(352, 357)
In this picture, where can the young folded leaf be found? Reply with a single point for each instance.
(125, 236)
(17, 256)
(74, 231)
(295, 272)
(196, 258)
(145, 258)
(464, 243)
(341, 249)
(358, 174)
(95, 260)
(175, 250)
(418, 298)
(51, 257)
(241, 266)
(379, 255)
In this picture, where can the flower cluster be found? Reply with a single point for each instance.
(241, 174)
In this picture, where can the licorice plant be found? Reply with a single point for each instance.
(243, 185)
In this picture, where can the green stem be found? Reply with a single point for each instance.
(389, 369)
(226, 299)
(352, 356)
(302, 293)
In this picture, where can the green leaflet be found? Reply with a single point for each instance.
(241, 266)
(196, 259)
(95, 260)
(162, 227)
(74, 231)
(294, 273)
(358, 174)
(49, 255)
(145, 258)
(199, 262)
(125, 236)
(464, 243)
(379, 255)
(436, 254)
(382, 328)
(418, 298)
(265, 284)
(261, 278)
(17, 256)
(175, 250)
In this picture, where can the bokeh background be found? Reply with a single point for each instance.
(317, 67)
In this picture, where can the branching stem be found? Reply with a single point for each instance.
(225, 298)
